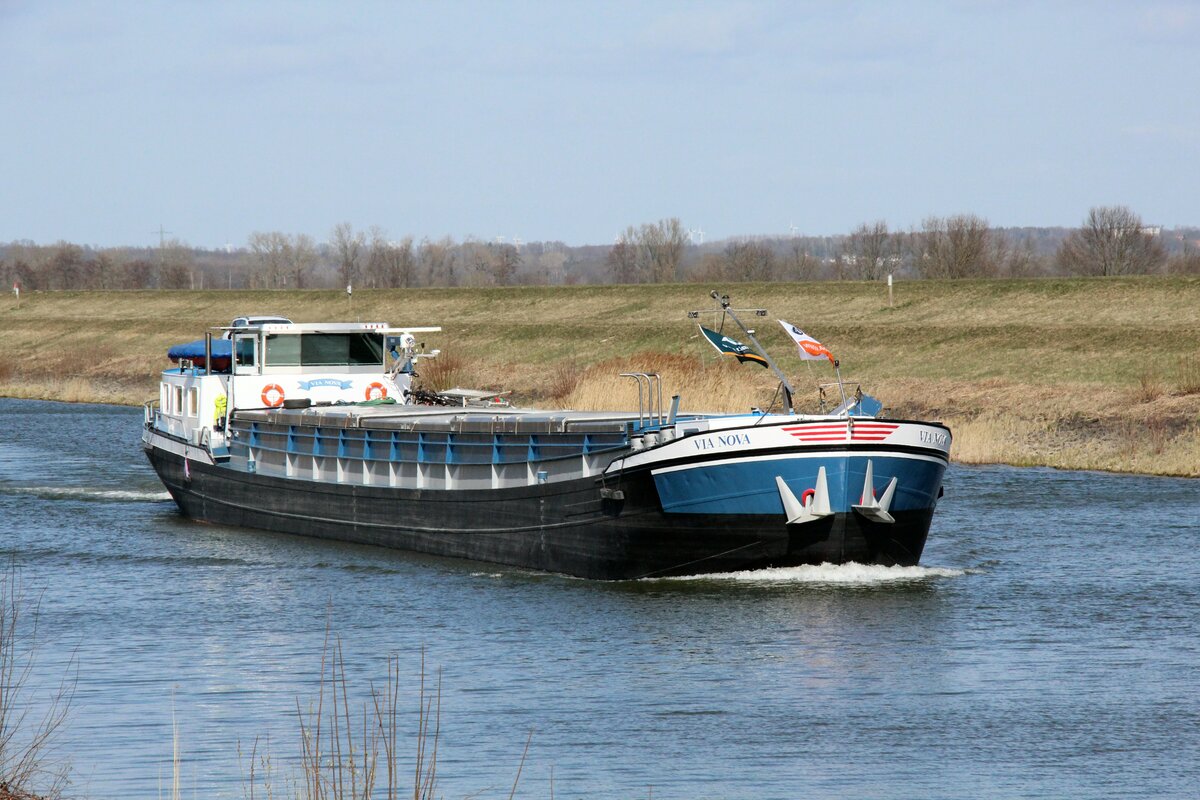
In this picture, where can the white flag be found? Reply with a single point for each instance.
(810, 348)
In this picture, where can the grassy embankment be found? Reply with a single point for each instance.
(1074, 373)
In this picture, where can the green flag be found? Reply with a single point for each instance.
(732, 347)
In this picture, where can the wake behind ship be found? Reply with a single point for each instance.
(316, 429)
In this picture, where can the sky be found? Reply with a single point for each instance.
(572, 120)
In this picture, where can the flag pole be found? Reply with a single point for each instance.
(837, 369)
(788, 391)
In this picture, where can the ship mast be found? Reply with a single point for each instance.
(723, 300)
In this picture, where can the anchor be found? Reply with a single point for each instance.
(869, 507)
(817, 506)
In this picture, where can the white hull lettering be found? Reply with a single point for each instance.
(931, 437)
(724, 440)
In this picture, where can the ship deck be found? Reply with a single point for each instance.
(457, 419)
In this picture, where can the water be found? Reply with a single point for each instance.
(1048, 646)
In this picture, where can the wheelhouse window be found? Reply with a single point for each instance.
(324, 350)
(245, 351)
(283, 350)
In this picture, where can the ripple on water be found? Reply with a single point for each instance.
(87, 493)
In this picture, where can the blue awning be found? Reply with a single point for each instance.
(222, 353)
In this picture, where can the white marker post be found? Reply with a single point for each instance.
(889, 289)
(17, 292)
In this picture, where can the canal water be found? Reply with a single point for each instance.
(1049, 646)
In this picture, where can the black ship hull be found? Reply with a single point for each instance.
(592, 527)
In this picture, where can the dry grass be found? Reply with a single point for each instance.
(704, 384)
(1187, 379)
(441, 373)
(564, 378)
(350, 752)
(1004, 362)
(1150, 386)
(28, 739)
(992, 438)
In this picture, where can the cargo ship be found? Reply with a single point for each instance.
(318, 429)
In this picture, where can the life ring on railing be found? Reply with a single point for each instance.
(808, 493)
(272, 395)
(376, 391)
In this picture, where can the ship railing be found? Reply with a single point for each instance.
(150, 413)
(650, 412)
(849, 403)
(654, 426)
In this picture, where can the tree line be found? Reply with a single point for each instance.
(1111, 240)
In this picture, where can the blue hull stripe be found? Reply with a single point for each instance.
(748, 486)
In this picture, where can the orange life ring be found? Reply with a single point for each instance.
(376, 391)
(266, 395)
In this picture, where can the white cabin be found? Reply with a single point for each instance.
(263, 366)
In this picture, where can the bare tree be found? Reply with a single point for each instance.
(801, 265)
(868, 250)
(66, 264)
(1021, 259)
(138, 274)
(651, 253)
(506, 260)
(711, 268)
(1112, 241)
(663, 244)
(348, 246)
(26, 275)
(622, 260)
(959, 246)
(1186, 262)
(390, 264)
(404, 263)
(438, 260)
(300, 257)
(477, 259)
(747, 260)
(178, 266)
(270, 251)
(378, 263)
(104, 271)
(553, 266)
